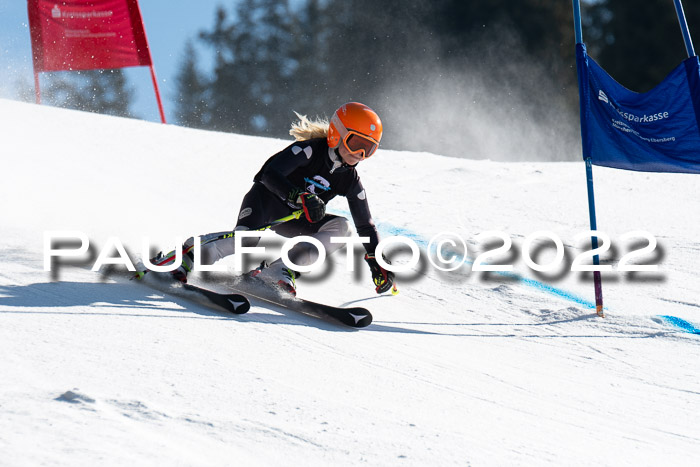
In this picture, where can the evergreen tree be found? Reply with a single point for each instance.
(107, 92)
(397, 55)
(99, 91)
(251, 85)
(638, 43)
(312, 62)
(191, 103)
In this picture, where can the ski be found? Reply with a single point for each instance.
(235, 303)
(356, 317)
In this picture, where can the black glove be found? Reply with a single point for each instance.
(382, 278)
(314, 207)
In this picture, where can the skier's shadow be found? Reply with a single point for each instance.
(140, 300)
(105, 298)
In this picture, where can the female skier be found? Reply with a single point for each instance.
(320, 165)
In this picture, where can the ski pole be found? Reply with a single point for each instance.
(281, 220)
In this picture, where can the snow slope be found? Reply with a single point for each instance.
(458, 369)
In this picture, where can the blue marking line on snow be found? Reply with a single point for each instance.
(681, 324)
(388, 229)
(555, 291)
(529, 282)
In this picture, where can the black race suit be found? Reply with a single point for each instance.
(309, 166)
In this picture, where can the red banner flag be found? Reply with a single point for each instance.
(87, 34)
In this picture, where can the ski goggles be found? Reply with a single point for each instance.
(358, 143)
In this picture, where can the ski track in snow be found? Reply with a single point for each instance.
(457, 369)
(386, 229)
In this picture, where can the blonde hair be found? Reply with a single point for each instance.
(306, 129)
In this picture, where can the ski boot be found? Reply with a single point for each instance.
(278, 275)
(180, 273)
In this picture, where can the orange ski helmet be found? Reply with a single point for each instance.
(357, 127)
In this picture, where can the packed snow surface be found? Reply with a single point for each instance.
(459, 368)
